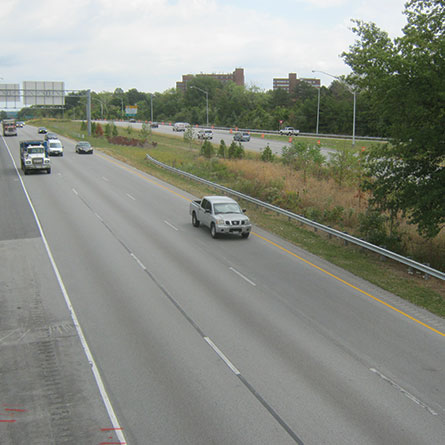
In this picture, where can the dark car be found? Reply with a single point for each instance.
(49, 136)
(84, 147)
(42, 130)
(243, 136)
(154, 125)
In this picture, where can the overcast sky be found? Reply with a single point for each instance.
(150, 44)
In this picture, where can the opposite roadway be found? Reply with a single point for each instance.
(192, 340)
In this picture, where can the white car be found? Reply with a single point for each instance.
(180, 126)
(205, 134)
(54, 147)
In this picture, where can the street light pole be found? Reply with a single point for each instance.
(354, 93)
(207, 101)
(318, 109)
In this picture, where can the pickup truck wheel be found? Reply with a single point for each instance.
(48, 171)
(195, 220)
(213, 231)
(245, 235)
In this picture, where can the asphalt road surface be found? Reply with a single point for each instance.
(192, 340)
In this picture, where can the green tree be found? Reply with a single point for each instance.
(267, 155)
(114, 130)
(188, 136)
(222, 150)
(239, 151)
(108, 130)
(302, 157)
(207, 149)
(405, 79)
(146, 132)
(343, 163)
(231, 153)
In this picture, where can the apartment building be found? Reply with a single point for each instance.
(237, 76)
(289, 83)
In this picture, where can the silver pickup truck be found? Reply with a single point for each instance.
(221, 214)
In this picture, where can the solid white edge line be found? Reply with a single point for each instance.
(131, 197)
(222, 356)
(242, 276)
(89, 355)
(403, 391)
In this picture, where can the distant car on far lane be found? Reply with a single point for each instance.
(42, 130)
(49, 136)
(181, 126)
(289, 131)
(205, 134)
(154, 125)
(241, 136)
(84, 147)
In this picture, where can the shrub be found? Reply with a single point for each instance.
(222, 150)
(99, 130)
(239, 151)
(372, 227)
(232, 150)
(267, 155)
(207, 149)
(108, 130)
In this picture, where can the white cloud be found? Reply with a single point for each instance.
(149, 44)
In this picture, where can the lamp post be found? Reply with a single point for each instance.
(354, 93)
(207, 101)
(318, 106)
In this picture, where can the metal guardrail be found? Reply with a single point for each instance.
(314, 135)
(429, 271)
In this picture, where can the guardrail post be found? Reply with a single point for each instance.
(382, 257)
(425, 275)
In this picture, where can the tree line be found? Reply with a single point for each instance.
(231, 105)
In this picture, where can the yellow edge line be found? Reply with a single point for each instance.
(290, 253)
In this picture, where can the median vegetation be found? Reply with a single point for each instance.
(304, 182)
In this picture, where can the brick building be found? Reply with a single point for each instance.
(289, 84)
(237, 76)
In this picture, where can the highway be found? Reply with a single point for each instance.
(256, 143)
(195, 340)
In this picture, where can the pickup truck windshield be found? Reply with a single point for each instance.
(226, 208)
